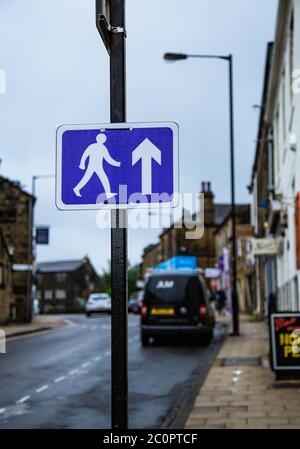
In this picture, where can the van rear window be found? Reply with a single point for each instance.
(173, 289)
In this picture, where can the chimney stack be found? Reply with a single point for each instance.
(209, 209)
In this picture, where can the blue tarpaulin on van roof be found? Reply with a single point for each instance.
(178, 263)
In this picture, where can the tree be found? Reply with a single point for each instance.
(132, 278)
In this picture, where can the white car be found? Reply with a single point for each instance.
(97, 303)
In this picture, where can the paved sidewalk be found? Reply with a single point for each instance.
(242, 393)
(39, 323)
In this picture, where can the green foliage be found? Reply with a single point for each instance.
(132, 278)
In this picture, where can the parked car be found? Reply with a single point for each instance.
(98, 303)
(135, 302)
(176, 304)
(132, 302)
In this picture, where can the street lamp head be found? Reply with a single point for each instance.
(175, 56)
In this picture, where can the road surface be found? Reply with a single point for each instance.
(61, 379)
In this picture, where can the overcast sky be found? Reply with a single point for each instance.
(57, 72)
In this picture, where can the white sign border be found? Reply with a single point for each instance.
(106, 126)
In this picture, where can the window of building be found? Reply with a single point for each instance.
(248, 247)
(239, 248)
(283, 107)
(277, 138)
(270, 161)
(48, 294)
(61, 277)
(60, 294)
(297, 228)
(291, 54)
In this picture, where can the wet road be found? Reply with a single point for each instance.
(61, 379)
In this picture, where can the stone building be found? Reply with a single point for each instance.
(276, 214)
(16, 207)
(6, 297)
(64, 286)
(245, 269)
(174, 242)
(282, 113)
(261, 188)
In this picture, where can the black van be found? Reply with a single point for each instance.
(176, 303)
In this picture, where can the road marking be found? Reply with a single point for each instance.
(74, 371)
(59, 379)
(23, 399)
(2, 410)
(43, 388)
(107, 353)
(96, 359)
(93, 328)
(85, 365)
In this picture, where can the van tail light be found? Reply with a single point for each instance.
(203, 311)
(144, 311)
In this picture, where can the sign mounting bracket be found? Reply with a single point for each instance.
(103, 23)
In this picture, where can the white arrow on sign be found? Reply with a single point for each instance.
(146, 151)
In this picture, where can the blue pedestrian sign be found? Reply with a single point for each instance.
(117, 165)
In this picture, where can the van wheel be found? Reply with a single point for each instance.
(145, 340)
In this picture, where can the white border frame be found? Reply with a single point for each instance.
(106, 126)
(274, 353)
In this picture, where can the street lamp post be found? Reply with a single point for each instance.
(36, 177)
(33, 190)
(229, 59)
(33, 235)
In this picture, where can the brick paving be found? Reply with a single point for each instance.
(242, 395)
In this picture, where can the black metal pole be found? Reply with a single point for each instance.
(119, 358)
(234, 297)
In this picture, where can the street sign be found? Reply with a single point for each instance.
(117, 165)
(178, 263)
(266, 246)
(42, 235)
(285, 342)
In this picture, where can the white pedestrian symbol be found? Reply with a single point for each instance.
(96, 153)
